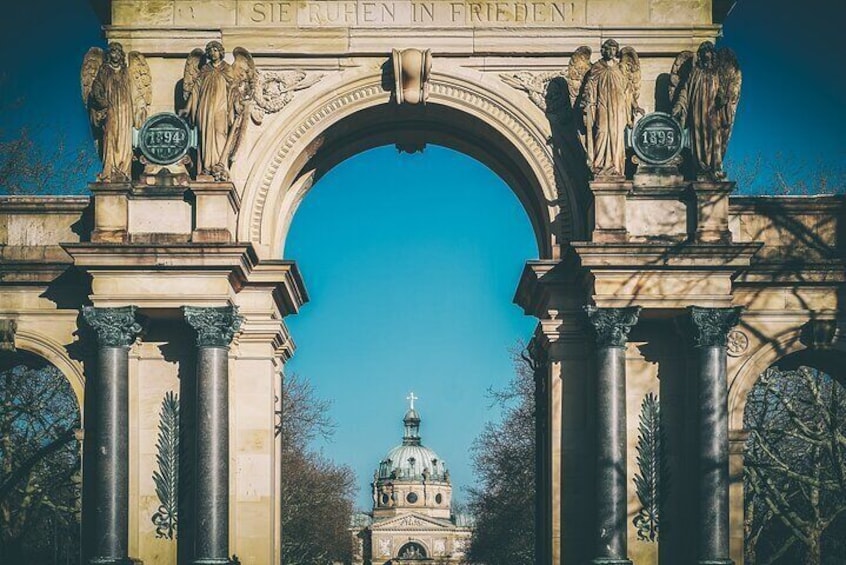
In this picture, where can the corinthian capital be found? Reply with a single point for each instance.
(215, 327)
(115, 327)
(712, 325)
(612, 325)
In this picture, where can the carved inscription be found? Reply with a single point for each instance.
(402, 13)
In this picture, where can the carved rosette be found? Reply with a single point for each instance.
(115, 327)
(737, 343)
(612, 325)
(215, 327)
(711, 326)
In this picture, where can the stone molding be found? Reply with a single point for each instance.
(115, 327)
(457, 92)
(711, 326)
(215, 327)
(612, 325)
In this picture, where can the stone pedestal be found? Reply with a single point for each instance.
(611, 326)
(710, 331)
(609, 210)
(216, 206)
(215, 328)
(106, 473)
(111, 211)
(712, 211)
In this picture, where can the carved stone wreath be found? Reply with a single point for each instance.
(737, 343)
(275, 89)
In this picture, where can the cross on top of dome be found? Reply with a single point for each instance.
(411, 398)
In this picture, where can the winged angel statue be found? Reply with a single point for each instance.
(117, 94)
(603, 97)
(705, 90)
(218, 99)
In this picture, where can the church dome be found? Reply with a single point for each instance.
(411, 460)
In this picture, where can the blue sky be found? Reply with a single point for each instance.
(411, 282)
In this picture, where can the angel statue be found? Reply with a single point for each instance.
(117, 95)
(705, 89)
(610, 94)
(218, 98)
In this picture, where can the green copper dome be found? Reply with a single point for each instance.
(411, 460)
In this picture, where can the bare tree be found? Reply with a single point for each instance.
(503, 502)
(317, 494)
(796, 468)
(785, 174)
(37, 160)
(39, 463)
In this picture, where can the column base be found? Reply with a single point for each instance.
(215, 561)
(715, 562)
(114, 561)
(610, 561)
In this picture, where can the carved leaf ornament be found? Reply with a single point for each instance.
(115, 327)
(166, 477)
(647, 479)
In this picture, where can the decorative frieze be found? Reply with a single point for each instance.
(115, 327)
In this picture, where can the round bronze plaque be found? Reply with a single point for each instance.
(657, 138)
(164, 139)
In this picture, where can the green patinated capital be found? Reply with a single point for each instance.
(611, 326)
(712, 325)
(115, 327)
(215, 327)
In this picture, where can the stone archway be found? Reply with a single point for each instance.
(353, 113)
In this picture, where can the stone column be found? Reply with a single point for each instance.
(215, 328)
(106, 467)
(611, 327)
(710, 332)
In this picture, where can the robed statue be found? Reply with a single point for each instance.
(218, 96)
(705, 89)
(117, 94)
(609, 98)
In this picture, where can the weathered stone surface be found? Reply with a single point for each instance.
(659, 242)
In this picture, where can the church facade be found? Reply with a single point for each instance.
(412, 519)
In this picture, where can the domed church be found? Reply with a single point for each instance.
(412, 519)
